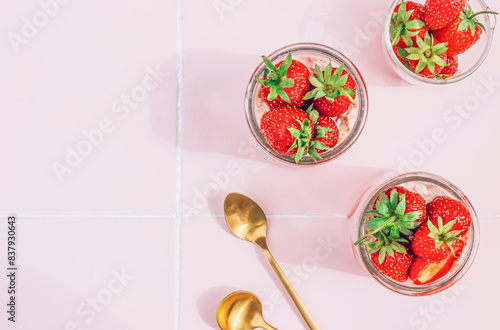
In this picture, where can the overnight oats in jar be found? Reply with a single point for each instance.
(306, 104)
(416, 233)
(437, 42)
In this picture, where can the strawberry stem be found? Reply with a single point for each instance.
(390, 221)
(483, 12)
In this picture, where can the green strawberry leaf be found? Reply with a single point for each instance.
(318, 145)
(381, 256)
(382, 208)
(398, 248)
(375, 222)
(394, 198)
(328, 73)
(272, 94)
(390, 251)
(283, 95)
(315, 81)
(283, 69)
(287, 83)
(401, 207)
(415, 24)
(319, 74)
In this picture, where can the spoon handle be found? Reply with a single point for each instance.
(268, 327)
(291, 291)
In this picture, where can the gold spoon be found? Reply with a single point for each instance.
(241, 310)
(246, 220)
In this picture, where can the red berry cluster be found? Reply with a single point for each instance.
(301, 106)
(411, 239)
(427, 39)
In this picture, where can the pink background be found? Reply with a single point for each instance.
(146, 199)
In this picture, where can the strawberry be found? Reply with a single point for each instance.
(451, 69)
(391, 257)
(414, 201)
(463, 32)
(423, 271)
(390, 216)
(450, 209)
(284, 84)
(333, 93)
(439, 13)
(326, 134)
(429, 58)
(434, 241)
(288, 130)
(407, 22)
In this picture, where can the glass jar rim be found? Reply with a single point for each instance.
(361, 94)
(419, 79)
(467, 256)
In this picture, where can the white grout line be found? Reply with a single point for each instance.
(272, 216)
(179, 166)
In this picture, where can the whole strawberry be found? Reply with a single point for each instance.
(463, 32)
(284, 84)
(407, 23)
(414, 202)
(288, 130)
(390, 216)
(325, 136)
(450, 209)
(391, 257)
(439, 13)
(434, 241)
(429, 58)
(450, 70)
(333, 93)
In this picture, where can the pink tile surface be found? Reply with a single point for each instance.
(315, 254)
(111, 273)
(147, 199)
(89, 109)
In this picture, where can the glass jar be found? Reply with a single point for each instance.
(429, 186)
(469, 61)
(314, 54)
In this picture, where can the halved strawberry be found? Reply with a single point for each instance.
(407, 22)
(429, 58)
(439, 13)
(288, 130)
(463, 32)
(326, 134)
(434, 241)
(392, 257)
(450, 209)
(333, 93)
(423, 271)
(450, 70)
(284, 84)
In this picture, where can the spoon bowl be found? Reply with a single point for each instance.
(241, 310)
(244, 217)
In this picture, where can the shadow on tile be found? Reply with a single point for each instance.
(325, 190)
(359, 36)
(213, 92)
(208, 302)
